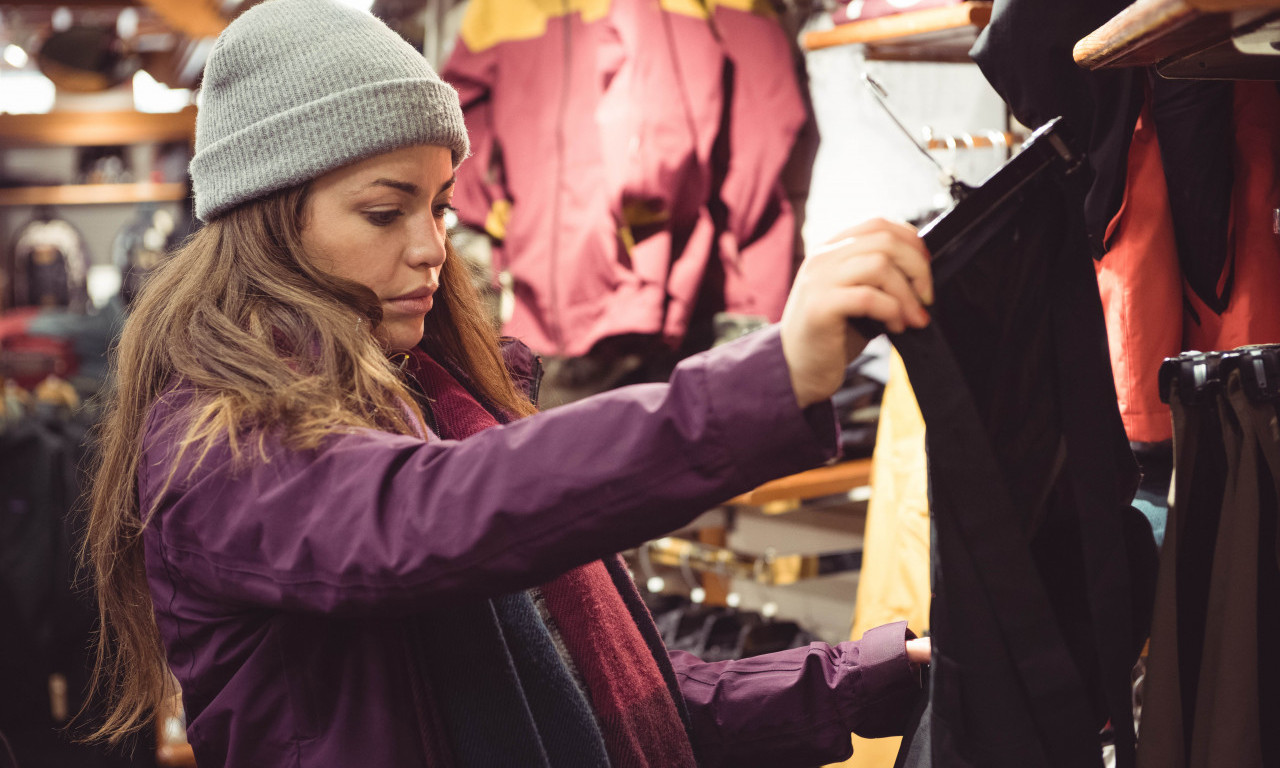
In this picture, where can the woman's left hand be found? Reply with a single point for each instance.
(919, 650)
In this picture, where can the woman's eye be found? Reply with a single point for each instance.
(442, 209)
(382, 218)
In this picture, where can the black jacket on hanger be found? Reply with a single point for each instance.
(1026, 55)
(1042, 575)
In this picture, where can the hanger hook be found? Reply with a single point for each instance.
(881, 97)
(696, 593)
(652, 581)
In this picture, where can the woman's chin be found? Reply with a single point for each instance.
(401, 334)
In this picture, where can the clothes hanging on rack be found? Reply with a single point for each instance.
(895, 575)
(1025, 53)
(1195, 129)
(629, 155)
(44, 649)
(766, 115)
(140, 246)
(894, 582)
(661, 120)
(1038, 559)
(29, 358)
(1211, 683)
(1158, 300)
(529, 87)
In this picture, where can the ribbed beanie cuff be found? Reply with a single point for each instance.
(297, 88)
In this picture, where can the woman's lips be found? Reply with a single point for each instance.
(416, 303)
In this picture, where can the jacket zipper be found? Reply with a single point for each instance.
(430, 417)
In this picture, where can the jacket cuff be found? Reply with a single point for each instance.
(749, 392)
(886, 690)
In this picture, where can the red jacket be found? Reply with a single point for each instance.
(767, 113)
(617, 154)
(1151, 313)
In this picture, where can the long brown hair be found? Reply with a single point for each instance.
(244, 320)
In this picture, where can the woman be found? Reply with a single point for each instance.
(277, 519)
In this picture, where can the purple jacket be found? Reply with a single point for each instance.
(285, 590)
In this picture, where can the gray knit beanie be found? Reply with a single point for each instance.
(296, 88)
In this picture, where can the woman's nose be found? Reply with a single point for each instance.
(426, 242)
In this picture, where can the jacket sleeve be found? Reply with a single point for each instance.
(375, 522)
(798, 707)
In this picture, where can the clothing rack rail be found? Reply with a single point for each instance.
(1202, 375)
(771, 569)
(983, 140)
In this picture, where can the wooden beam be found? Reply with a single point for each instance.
(823, 481)
(93, 194)
(1222, 6)
(73, 4)
(96, 129)
(1151, 31)
(193, 18)
(903, 28)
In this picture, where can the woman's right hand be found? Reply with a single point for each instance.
(877, 270)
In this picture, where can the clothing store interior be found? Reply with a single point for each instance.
(1036, 528)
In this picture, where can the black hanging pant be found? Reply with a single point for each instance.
(1038, 560)
(1212, 676)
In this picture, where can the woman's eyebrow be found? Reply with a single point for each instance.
(404, 186)
(408, 187)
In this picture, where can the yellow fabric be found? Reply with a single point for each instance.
(695, 8)
(894, 583)
(490, 22)
(496, 222)
(758, 7)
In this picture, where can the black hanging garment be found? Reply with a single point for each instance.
(140, 246)
(1026, 55)
(1037, 558)
(1212, 682)
(45, 647)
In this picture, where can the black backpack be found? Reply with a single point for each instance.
(50, 265)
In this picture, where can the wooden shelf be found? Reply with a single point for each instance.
(933, 34)
(1158, 32)
(823, 481)
(93, 194)
(95, 129)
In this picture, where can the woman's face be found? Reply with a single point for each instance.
(380, 222)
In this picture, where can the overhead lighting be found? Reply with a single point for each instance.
(15, 56)
(26, 92)
(151, 96)
(61, 19)
(127, 24)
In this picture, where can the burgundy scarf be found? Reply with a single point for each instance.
(638, 719)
